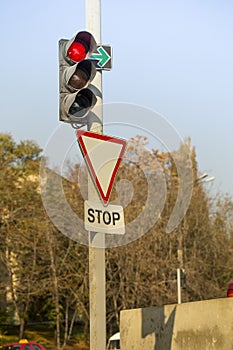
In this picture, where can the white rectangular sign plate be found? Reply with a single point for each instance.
(104, 219)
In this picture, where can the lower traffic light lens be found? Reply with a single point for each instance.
(77, 52)
(84, 100)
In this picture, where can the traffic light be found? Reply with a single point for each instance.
(76, 71)
(183, 278)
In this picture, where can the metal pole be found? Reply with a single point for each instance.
(178, 286)
(97, 297)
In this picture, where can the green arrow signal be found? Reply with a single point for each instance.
(103, 57)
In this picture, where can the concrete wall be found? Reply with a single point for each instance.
(204, 325)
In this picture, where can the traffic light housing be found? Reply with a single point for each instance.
(76, 71)
(183, 278)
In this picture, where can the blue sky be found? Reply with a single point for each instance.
(174, 57)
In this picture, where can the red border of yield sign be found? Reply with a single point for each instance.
(80, 134)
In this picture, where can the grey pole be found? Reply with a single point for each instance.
(178, 286)
(97, 297)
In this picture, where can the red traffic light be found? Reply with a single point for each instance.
(76, 72)
(77, 51)
(80, 46)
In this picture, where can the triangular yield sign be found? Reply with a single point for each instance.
(103, 155)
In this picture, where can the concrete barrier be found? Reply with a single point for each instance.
(203, 325)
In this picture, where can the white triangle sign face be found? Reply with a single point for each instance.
(103, 155)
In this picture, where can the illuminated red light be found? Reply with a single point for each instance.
(230, 290)
(77, 52)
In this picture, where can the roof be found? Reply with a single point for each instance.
(115, 336)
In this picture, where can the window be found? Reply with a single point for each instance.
(114, 344)
(36, 347)
(16, 347)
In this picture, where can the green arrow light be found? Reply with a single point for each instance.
(102, 56)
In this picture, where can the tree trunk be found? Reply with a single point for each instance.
(21, 328)
(55, 290)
